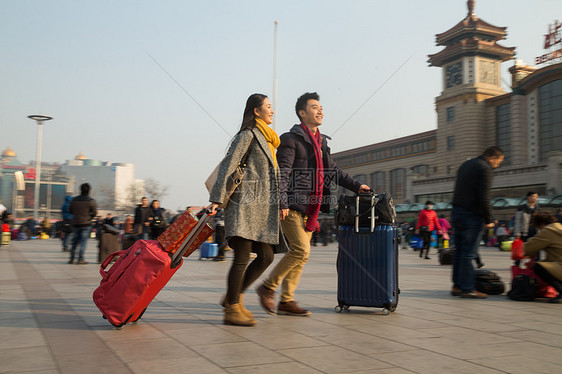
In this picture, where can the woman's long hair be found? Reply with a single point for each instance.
(249, 119)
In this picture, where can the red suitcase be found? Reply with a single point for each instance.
(140, 272)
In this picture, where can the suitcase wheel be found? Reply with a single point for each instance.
(385, 312)
(136, 320)
(340, 308)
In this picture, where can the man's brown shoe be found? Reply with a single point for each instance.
(456, 291)
(474, 295)
(266, 298)
(290, 308)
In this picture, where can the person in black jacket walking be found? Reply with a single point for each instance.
(307, 171)
(471, 213)
(83, 209)
(142, 220)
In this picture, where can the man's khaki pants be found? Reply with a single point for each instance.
(289, 269)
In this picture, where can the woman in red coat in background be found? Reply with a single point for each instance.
(427, 222)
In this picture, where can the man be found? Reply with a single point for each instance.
(306, 170)
(142, 222)
(109, 220)
(523, 229)
(83, 209)
(471, 212)
(427, 222)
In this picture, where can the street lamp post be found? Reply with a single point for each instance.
(39, 119)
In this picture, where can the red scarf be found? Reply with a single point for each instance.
(315, 199)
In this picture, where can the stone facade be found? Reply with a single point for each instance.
(473, 112)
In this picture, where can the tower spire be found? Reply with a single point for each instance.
(470, 5)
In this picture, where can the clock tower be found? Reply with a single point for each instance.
(470, 65)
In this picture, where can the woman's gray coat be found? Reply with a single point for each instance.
(253, 210)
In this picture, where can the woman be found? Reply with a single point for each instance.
(156, 218)
(549, 239)
(427, 222)
(252, 213)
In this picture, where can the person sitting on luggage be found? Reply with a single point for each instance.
(427, 222)
(29, 227)
(502, 233)
(548, 239)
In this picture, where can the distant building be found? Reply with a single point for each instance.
(17, 186)
(473, 113)
(114, 185)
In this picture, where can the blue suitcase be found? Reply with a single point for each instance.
(208, 250)
(367, 266)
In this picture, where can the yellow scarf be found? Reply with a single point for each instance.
(271, 136)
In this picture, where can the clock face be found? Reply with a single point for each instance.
(488, 72)
(454, 74)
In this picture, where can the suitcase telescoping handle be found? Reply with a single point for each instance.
(373, 203)
(191, 237)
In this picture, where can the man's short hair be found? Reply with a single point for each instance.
(493, 151)
(303, 100)
(531, 193)
(85, 188)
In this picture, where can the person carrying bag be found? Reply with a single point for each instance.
(251, 217)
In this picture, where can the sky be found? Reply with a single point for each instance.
(163, 84)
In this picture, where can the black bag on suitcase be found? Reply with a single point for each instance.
(346, 211)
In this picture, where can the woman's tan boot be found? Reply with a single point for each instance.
(246, 312)
(233, 316)
(243, 308)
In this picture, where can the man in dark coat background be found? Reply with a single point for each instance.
(471, 213)
(83, 209)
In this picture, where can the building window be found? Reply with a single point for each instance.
(378, 182)
(450, 143)
(360, 158)
(450, 169)
(422, 170)
(450, 114)
(550, 119)
(398, 183)
(503, 133)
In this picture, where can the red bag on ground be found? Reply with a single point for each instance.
(517, 250)
(543, 289)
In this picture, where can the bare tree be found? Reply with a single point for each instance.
(106, 198)
(129, 203)
(154, 190)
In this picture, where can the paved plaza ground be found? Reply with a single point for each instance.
(49, 324)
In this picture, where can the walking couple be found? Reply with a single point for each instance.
(280, 196)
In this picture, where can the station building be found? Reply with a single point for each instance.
(474, 112)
